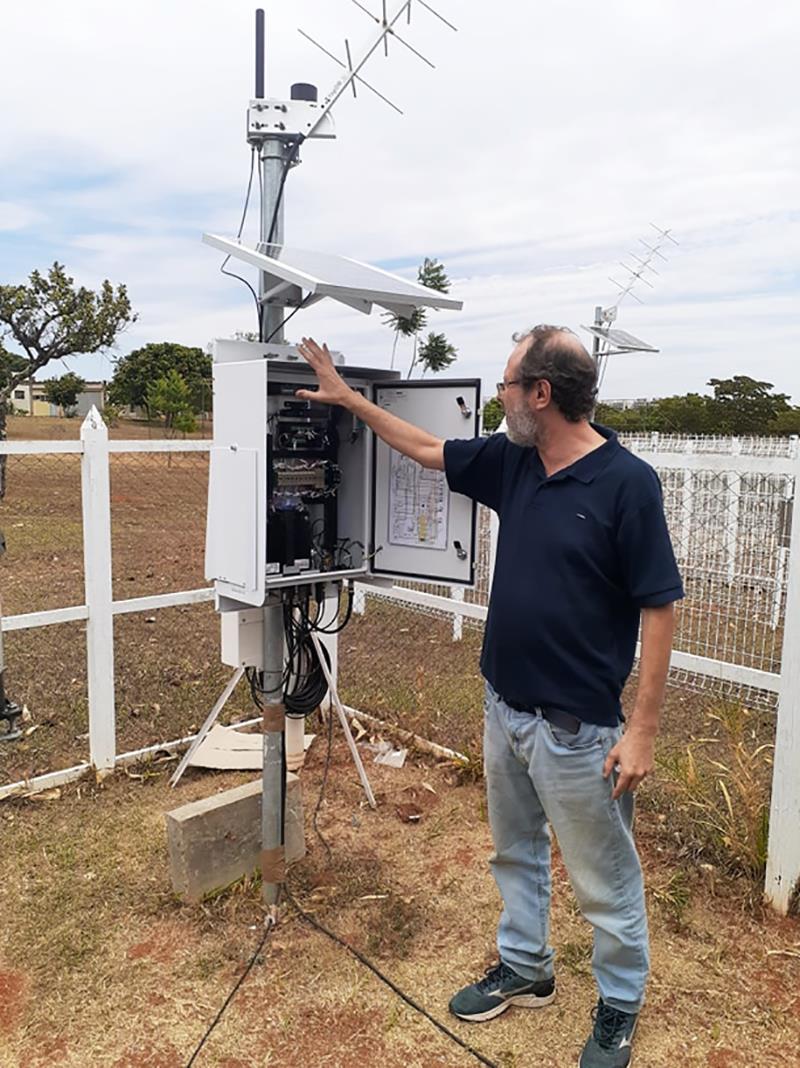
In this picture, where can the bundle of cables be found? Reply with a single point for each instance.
(303, 682)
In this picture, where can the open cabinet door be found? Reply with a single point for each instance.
(236, 522)
(420, 530)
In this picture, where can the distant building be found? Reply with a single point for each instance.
(626, 403)
(28, 399)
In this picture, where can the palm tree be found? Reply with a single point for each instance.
(435, 352)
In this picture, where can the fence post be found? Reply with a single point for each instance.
(783, 856)
(359, 600)
(732, 519)
(457, 594)
(687, 491)
(96, 505)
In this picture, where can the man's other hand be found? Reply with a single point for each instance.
(634, 758)
(332, 388)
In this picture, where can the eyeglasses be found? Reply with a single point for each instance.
(503, 386)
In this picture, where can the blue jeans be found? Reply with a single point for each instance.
(539, 776)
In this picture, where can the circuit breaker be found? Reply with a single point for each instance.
(303, 492)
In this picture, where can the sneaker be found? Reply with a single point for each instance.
(609, 1045)
(500, 988)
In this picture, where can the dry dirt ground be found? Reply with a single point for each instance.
(101, 965)
(45, 428)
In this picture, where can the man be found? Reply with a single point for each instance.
(583, 555)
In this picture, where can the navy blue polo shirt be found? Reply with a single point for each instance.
(578, 555)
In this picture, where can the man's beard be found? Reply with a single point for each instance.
(522, 427)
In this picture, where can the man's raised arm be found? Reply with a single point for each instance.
(405, 437)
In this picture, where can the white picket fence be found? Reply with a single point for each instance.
(731, 507)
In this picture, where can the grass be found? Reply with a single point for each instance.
(134, 976)
(720, 787)
(47, 428)
(94, 938)
(674, 896)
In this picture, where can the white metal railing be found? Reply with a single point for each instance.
(731, 509)
(715, 444)
(99, 607)
(734, 517)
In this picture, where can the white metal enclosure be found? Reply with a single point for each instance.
(419, 528)
(396, 519)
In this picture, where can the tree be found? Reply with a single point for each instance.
(171, 397)
(49, 318)
(743, 405)
(64, 391)
(787, 422)
(740, 405)
(135, 373)
(10, 364)
(435, 353)
(493, 415)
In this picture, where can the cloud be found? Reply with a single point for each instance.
(530, 161)
(18, 216)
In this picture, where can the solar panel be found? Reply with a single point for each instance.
(620, 339)
(321, 274)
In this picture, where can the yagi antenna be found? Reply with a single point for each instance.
(393, 33)
(276, 130)
(608, 340)
(384, 29)
(637, 274)
(348, 66)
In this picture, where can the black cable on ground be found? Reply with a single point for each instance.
(296, 635)
(318, 805)
(232, 995)
(385, 979)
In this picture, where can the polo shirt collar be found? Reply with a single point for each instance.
(589, 466)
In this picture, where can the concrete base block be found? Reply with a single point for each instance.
(216, 841)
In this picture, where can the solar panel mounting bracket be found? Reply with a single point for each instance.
(287, 119)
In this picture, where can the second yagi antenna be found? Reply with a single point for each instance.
(385, 28)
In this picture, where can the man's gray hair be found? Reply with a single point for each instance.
(556, 355)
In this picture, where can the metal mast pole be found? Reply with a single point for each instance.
(598, 321)
(273, 154)
(273, 864)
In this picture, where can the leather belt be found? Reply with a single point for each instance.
(557, 716)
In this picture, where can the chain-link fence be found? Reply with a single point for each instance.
(712, 445)
(158, 517)
(46, 676)
(167, 671)
(729, 506)
(40, 519)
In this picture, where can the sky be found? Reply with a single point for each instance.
(531, 161)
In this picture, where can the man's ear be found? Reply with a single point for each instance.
(540, 395)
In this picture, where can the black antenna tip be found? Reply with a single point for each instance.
(259, 53)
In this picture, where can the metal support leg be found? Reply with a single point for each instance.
(210, 720)
(337, 704)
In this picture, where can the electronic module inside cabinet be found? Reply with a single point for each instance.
(302, 492)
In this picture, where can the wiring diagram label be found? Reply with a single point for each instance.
(418, 504)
